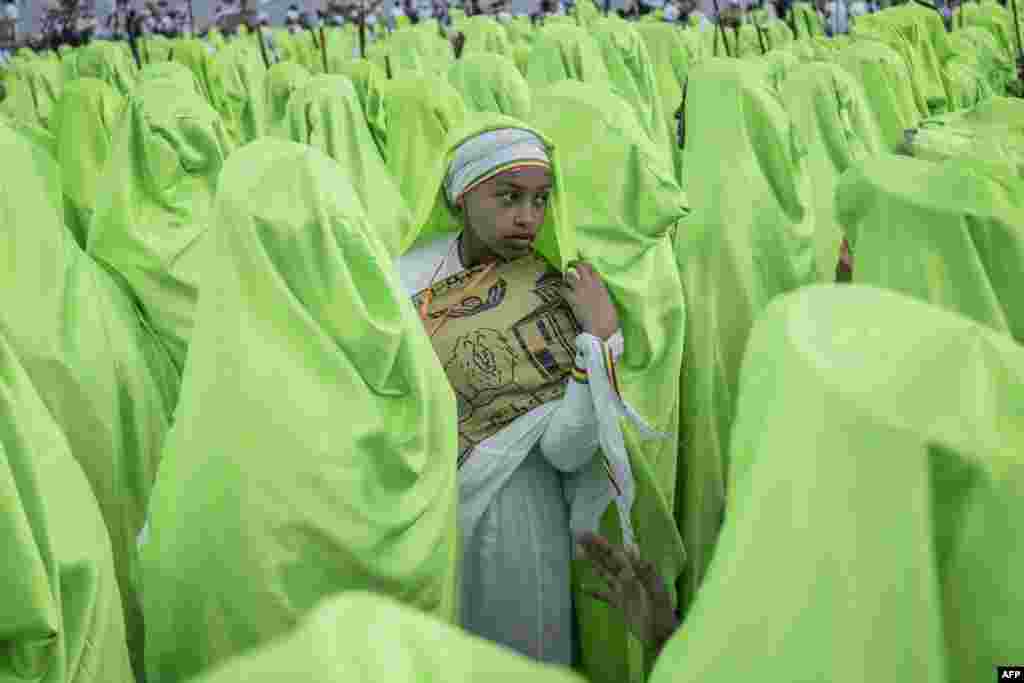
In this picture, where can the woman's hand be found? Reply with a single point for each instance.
(634, 588)
(588, 297)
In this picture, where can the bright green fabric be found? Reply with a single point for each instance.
(326, 114)
(84, 123)
(632, 75)
(992, 131)
(555, 241)
(990, 58)
(950, 234)
(412, 52)
(879, 27)
(107, 62)
(193, 54)
(326, 466)
(671, 67)
(806, 20)
(829, 109)
(923, 29)
(106, 380)
(282, 81)
(564, 52)
(521, 56)
(622, 201)
(750, 238)
(382, 640)
(177, 73)
(34, 91)
(154, 205)
(484, 34)
(369, 81)
(418, 121)
(887, 84)
(62, 618)
(875, 501)
(995, 19)
(491, 83)
(236, 83)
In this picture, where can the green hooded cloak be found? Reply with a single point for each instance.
(875, 502)
(325, 114)
(623, 203)
(236, 83)
(950, 234)
(175, 72)
(887, 84)
(282, 81)
(107, 62)
(154, 203)
(565, 52)
(491, 83)
(86, 118)
(62, 618)
(671, 67)
(749, 239)
(106, 380)
(369, 80)
(828, 108)
(270, 500)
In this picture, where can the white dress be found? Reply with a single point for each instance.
(516, 581)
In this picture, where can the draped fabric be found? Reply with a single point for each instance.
(949, 234)
(620, 197)
(383, 641)
(491, 83)
(62, 620)
(107, 61)
(106, 380)
(884, 538)
(564, 52)
(84, 125)
(749, 239)
(270, 500)
(369, 80)
(671, 68)
(887, 84)
(154, 205)
(282, 81)
(828, 108)
(237, 92)
(325, 114)
(175, 72)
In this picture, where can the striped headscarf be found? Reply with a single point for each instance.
(486, 155)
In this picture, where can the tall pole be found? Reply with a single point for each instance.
(362, 29)
(191, 20)
(263, 46)
(323, 47)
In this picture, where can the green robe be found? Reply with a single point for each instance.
(875, 502)
(282, 81)
(564, 52)
(326, 465)
(491, 83)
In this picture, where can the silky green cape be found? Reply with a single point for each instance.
(106, 380)
(433, 216)
(491, 83)
(484, 34)
(622, 202)
(62, 617)
(950, 234)
(828, 108)
(177, 73)
(193, 54)
(154, 205)
(564, 52)
(632, 75)
(887, 84)
(83, 127)
(360, 637)
(671, 67)
(991, 131)
(369, 80)
(750, 238)
(417, 121)
(876, 502)
(236, 85)
(314, 446)
(107, 62)
(283, 79)
(326, 114)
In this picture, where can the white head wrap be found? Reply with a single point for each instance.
(671, 12)
(488, 154)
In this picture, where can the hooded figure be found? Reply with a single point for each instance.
(491, 83)
(154, 205)
(484, 34)
(107, 62)
(369, 80)
(828, 108)
(193, 54)
(179, 74)
(33, 89)
(750, 239)
(887, 84)
(236, 84)
(417, 121)
(384, 640)
(671, 63)
(282, 81)
(949, 234)
(87, 116)
(106, 380)
(624, 204)
(877, 470)
(326, 114)
(564, 52)
(355, 487)
(63, 621)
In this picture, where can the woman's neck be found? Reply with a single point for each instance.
(473, 252)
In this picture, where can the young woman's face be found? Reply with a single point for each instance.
(505, 212)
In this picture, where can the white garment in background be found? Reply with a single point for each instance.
(514, 519)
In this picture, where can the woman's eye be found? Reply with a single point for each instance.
(541, 200)
(510, 197)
